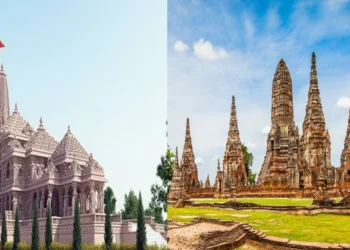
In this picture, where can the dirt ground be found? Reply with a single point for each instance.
(186, 238)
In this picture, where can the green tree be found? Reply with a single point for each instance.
(108, 227)
(76, 228)
(160, 192)
(141, 238)
(155, 207)
(35, 228)
(130, 206)
(16, 232)
(48, 228)
(3, 229)
(248, 162)
(110, 199)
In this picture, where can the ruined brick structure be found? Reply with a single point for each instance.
(282, 142)
(233, 162)
(315, 144)
(219, 181)
(34, 167)
(344, 172)
(207, 183)
(294, 166)
(188, 164)
(178, 184)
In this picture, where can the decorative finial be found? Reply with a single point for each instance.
(188, 129)
(16, 109)
(41, 126)
(68, 128)
(218, 164)
(313, 66)
(2, 67)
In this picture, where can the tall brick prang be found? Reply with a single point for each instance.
(279, 168)
(315, 144)
(235, 174)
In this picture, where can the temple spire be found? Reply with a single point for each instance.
(176, 162)
(313, 73)
(233, 133)
(188, 159)
(188, 139)
(218, 168)
(314, 113)
(41, 126)
(4, 97)
(282, 96)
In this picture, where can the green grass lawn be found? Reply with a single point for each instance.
(318, 228)
(264, 201)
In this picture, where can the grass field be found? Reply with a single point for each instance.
(264, 201)
(317, 228)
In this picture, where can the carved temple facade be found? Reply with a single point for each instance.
(34, 167)
(294, 165)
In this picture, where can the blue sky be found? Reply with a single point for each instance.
(100, 67)
(217, 49)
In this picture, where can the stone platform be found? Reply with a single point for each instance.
(92, 229)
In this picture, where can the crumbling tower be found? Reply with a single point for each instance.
(188, 164)
(280, 165)
(219, 181)
(315, 144)
(345, 160)
(207, 182)
(234, 170)
(4, 97)
(176, 190)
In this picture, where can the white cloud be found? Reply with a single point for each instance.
(343, 102)
(266, 130)
(199, 161)
(205, 50)
(251, 145)
(180, 46)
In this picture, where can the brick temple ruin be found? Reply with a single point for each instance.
(294, 165)
(34, 167)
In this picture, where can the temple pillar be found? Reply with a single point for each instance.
(61, 209)
(41, 204)
(65, 204)
(82, 202)
(14, 205)
(74, 197)
(49, 198)
(92, 201)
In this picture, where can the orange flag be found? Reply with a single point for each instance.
(1, 45)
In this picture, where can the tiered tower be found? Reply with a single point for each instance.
(188, 164)
(207, 183)
(280, 165)
(345, 159)
(219, 181)
(235, 174)
(315, 144)
(176, 190)
(4, 97)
